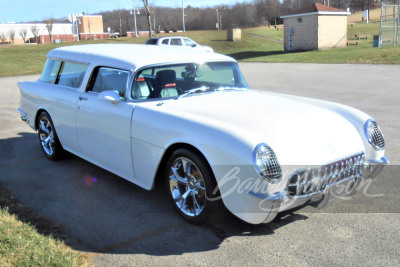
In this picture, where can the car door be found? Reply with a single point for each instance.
(60, 82)
(176, 41)
(104, 126)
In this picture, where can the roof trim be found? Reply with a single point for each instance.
(340, 13)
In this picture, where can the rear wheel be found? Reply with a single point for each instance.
(191, 186)
(48, 139)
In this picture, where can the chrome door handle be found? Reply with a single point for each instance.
(82, 98)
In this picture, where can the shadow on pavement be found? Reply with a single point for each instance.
(102, 213)
(254, 54)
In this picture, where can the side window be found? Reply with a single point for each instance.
(109, 79)
(188, 42)
(71, 74)
(50, 71)
(176, 41)
(165, 41)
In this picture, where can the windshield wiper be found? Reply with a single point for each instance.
(195, 91)
(225, 88)
(206, 88)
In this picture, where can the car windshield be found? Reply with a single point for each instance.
(187, 79)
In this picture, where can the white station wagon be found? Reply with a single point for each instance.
(179, 41)
(188, 119)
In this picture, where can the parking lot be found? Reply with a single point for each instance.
(120, 224)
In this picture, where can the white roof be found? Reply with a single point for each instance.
(132, 56)
(337, 13)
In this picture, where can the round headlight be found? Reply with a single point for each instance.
(266, 163)
(374, 135)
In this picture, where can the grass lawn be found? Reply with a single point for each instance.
(27, 239)
(21, 245)
(257, 44)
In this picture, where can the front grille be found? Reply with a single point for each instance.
(314, 180)
(376, 136)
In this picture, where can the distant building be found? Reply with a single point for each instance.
(315, 27)
(91, 27)
(84, 28)
(61, 32)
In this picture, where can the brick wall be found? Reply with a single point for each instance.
(332, 31)
(305, 33)
(94, 36)
(91, 24)
(314, 32)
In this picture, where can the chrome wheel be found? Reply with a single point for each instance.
(46, 136)
(187, 187)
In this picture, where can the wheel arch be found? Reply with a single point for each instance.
(167, 154)
(40, 110)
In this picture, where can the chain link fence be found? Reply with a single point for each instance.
(389, 27)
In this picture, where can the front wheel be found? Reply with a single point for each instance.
(191, 186)
(48, 139)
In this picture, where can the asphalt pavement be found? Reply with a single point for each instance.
(120, 224)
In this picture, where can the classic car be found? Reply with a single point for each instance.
(178, 41)
(187, 120)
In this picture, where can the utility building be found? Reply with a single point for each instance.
(315, 27)
(91, 27)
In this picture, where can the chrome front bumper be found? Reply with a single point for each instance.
(320, 192)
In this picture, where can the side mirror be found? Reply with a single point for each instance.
(110, 96)
(194, 45)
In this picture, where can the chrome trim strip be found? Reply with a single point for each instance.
(24, 115)
(276, 196)
(376, 166)
(384, 160)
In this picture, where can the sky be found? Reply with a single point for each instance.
(31, 10)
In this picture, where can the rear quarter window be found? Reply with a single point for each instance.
(151, 41)
(71, 74)
(64, 73)
(50, 71)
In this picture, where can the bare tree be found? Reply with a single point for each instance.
(269, 9)
(168, 18)
(35, 32)
(147, 9)
(23, 32)
(49, 27)
(3, 37)
(11, 34)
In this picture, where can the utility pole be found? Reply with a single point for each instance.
(368, 11)
(120, 25)
(217, 20)
(89, 26)
(183, 16)
(134, 17)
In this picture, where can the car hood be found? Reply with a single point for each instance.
(299, 132)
